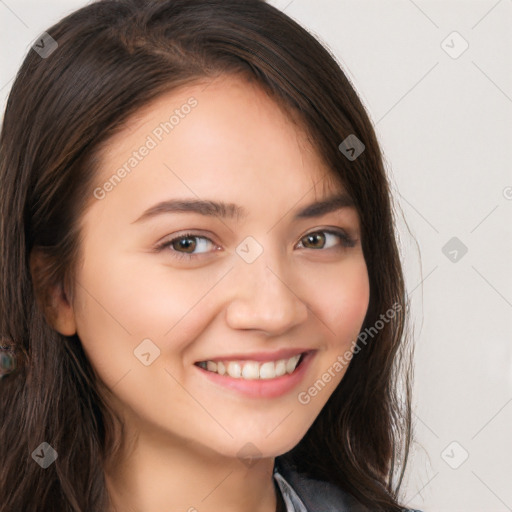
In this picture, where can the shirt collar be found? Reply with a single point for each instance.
(291, 499)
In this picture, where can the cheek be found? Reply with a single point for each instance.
(120, 302)
(343, 304)
(118, 309)
(342, 308)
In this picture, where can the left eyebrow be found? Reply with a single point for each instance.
(328, 205)
(221, 209)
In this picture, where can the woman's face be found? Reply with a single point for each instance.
(254, 281)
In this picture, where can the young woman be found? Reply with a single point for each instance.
(202, 304)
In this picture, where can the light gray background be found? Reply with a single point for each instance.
(445, 127)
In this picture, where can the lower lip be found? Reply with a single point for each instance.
(262, 388)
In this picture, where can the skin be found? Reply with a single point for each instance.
(183, 433)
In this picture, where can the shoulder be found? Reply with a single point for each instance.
(316, 495)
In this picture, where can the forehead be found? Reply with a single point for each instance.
(224, 135)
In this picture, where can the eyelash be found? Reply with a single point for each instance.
(346, 241)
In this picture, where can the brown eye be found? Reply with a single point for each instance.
(315, 239)
(187, 246)
(319, 239)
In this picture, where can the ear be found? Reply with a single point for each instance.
(63, 316)
(52, 298)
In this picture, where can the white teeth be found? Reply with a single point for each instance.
(221, 369)
(268, 370)
(234, 370)
(292, 363)
(280, 368)
(251, 370)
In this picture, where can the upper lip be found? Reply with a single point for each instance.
(260, 356)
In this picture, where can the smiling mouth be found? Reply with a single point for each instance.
(253, 370)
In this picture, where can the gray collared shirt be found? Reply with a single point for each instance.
(292, 501)
(302, 494)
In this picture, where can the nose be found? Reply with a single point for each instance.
(265, 297)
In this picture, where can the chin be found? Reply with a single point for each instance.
(259, 446)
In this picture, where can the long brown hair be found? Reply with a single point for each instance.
(114, 57)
